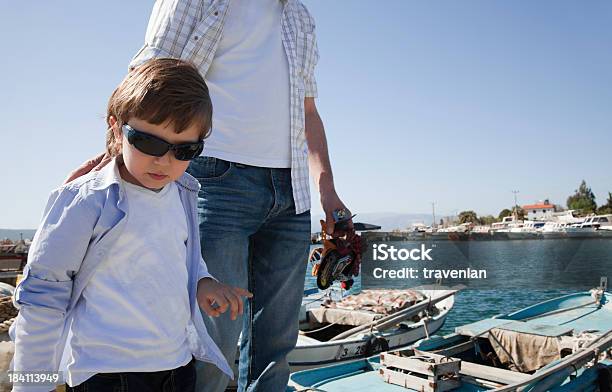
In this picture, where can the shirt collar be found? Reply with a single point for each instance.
(109, 175)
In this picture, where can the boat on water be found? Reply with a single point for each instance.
(526, 230)
(561, 345)
(590, 227)
(553, 229)
(605, 231)
(481, 232)
(336, 329)
(499, 230)
(454, 233)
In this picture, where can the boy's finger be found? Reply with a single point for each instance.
(242, 292)
(221, 303)
(233, 301)
(239, 293)
(205, 305)
(240, 304)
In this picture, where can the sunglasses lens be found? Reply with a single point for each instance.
(187, 152)
(147, 144)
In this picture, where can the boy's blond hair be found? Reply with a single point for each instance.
(160, 91)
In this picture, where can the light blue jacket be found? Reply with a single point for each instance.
(81, 222)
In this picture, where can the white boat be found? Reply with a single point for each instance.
(605, 231)
(499, 230)
(555, 227)
(525, 230)
(318, 343)
(512, 228)
(598, 221)
(553, 230)
(321, 341)
(589, 227)
(481, 232)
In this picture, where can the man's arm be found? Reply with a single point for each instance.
(318, 160)
(169, 29)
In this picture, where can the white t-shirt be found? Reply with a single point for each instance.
(249, 87)
(135, 309)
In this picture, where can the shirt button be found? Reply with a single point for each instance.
(216, 13)
(195, 38)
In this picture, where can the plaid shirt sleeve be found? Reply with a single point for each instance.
(309, 50)
(310, 83)
(170, 27)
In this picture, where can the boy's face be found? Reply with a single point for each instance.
(149, 171)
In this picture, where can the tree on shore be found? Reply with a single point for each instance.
(468, 217)
(504, 213)
(520, 213)
(487, 220)
(583, 200)
(606, 208)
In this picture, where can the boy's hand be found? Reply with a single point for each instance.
(210, 292)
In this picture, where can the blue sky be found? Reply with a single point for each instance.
(454, 102)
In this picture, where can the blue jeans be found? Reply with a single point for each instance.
(252, 238)
(181, 379)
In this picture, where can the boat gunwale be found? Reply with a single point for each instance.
(397, 331)
(515, 315)
(435, 342)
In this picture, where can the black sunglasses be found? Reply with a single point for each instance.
(152, 145)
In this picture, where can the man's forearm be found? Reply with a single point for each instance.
(318, 156)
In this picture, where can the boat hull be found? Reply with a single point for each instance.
(308, 355)
(575, 313)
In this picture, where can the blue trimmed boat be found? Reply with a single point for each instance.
(560, 345)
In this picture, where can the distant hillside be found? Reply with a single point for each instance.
(388, 220)
(14, 234)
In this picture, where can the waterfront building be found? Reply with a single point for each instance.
(542, 210)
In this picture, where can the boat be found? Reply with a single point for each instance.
(555, 226)
(598, 221)
(553, 229)
(325, 338)
(525, 231)
(453, 233)
(482, 232)
(13, 257)
(357, 326)
(590, 227)
(560, 345)
(605, 231)
(499, 230)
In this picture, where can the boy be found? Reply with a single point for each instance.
(115, 274)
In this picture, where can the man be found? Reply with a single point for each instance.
(258, 59)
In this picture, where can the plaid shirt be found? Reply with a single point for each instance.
(191, 30)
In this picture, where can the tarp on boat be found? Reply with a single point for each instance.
(525, 347)
(365, 307)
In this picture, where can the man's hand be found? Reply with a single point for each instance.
(211, 292)
(330, 203)
(320, 168)
(96, 163)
